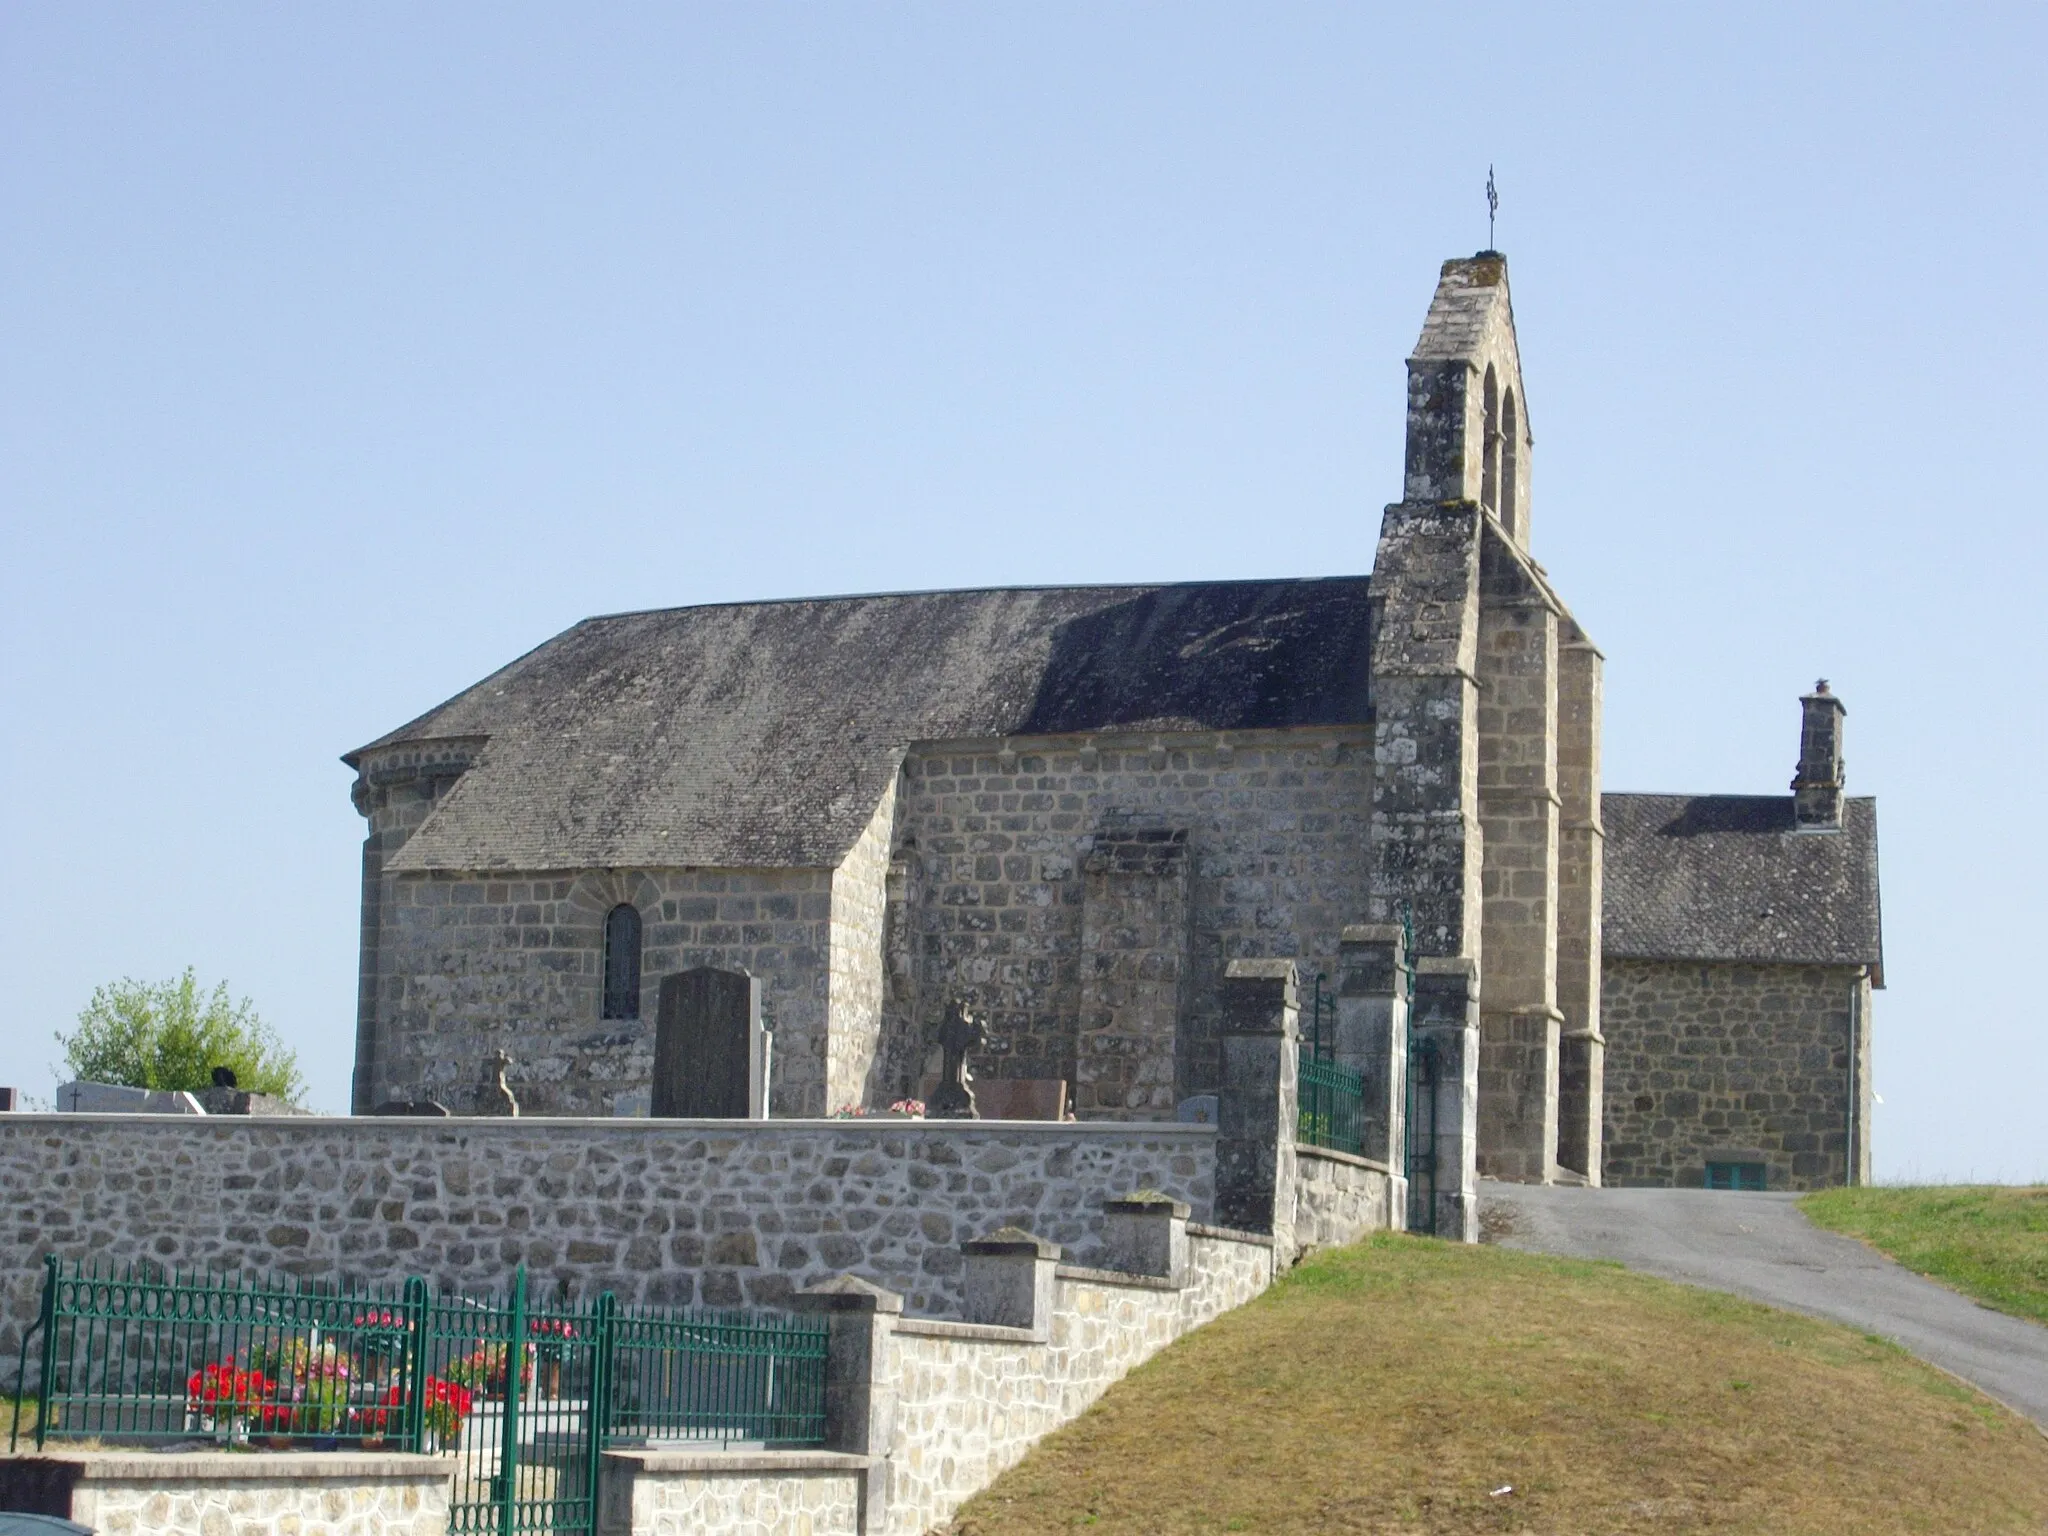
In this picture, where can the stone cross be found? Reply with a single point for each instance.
(496, 1098)
(962, 1032)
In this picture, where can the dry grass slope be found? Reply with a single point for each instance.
(1392, 1386)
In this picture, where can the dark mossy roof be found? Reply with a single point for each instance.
(755, 735)
(1726, 877)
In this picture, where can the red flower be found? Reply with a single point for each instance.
(226, 1392)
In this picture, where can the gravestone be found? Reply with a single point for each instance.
(710, 1051)
(1021, 1098)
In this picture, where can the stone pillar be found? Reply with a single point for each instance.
(1258, 1113)
(1425, 793)
(1518, 808)
(1581, 1066)
(1134, 957)
(1146, 1237)
(1444, 1138)
(1009, 1279)
(1372, 1037)
(860, 1390)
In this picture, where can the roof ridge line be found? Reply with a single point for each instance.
(1077, 586)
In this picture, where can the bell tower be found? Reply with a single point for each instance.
(1486, 812)
(1468, 418)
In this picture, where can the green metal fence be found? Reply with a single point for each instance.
(731, 1377)
(136, 1353)
(1332, 1106)
(1331, 1098)
(524, 1393)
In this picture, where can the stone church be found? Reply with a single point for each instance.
(1078, 805)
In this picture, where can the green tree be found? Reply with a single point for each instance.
(169, 1034)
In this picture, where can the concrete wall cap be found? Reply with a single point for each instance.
(1011, 1240)
(1260, 970)
(846, 1293)
(1139, 1205)
(1448, 965)
(185, 1466)
(736, 1463)
(1372, 933)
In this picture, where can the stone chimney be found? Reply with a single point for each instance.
(1817, 787)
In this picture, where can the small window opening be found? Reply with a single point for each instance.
(622, 962)
(1748, 1176)
(1510, 461)
(1489, 467)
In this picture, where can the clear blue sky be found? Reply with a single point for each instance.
(347, 352)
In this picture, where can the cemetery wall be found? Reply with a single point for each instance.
(130, 1493)
(774, 1493)
(970, 1401)
(717, 1213)
(1339, 1198)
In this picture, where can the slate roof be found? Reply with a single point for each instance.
(758, 735)
(1725, 877)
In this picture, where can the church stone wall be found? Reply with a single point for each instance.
(1276, 855)
(1727, 1063)
(473, 963)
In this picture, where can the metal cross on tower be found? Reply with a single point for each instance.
(1492, 206)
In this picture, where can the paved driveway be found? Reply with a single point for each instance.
(1760, 1246)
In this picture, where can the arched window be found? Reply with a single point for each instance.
(1510, 461)
(1489, 472)
(622, 962)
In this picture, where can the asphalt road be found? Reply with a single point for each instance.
(1761, 1247)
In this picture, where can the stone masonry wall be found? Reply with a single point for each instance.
(970, 1402)
(396, 791)
(1277, 845)
(776, 1494)
(720, 1213)
(860, 895)
(1518, 808)
(472, 964)
(1134, 961)
(122, 1493)
(1339, 1198)
(1737, 1063)
(1581, 882)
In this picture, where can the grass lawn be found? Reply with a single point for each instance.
(1393, 1386)
(1989, 1241)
